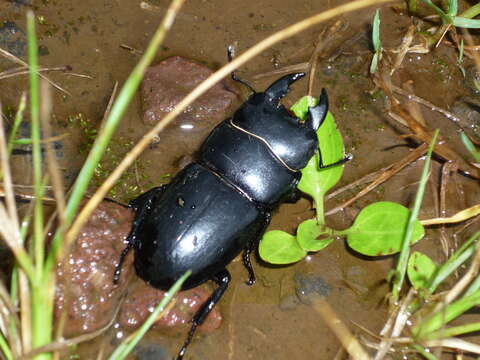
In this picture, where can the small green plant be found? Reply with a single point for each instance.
(377, 44)
(379, 228)
(470, 146)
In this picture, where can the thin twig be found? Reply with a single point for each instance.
(399, 165)
(17, 60)
(343, 334)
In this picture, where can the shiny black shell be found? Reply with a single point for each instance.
(218, 205)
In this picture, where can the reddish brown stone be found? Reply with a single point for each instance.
(167, 83)
(143, 298)
(85, 290)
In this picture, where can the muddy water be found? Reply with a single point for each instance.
(266, 321)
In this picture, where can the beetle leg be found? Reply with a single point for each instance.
(280, 88)
(222, 279)
(348, 157)
(141, 205)
(252, 245)
(248, 264)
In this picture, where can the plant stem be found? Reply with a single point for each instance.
(405, 251)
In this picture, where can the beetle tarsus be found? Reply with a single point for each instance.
(248, 264)
(222, 279)
(280, 88)
(123, 255)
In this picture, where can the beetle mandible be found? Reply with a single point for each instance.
(221, 204)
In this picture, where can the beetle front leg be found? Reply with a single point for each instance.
(347, 157)
(141, 205)
(222, 279)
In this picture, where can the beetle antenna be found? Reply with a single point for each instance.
(230, 55)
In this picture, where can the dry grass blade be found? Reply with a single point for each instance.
(442, 149)
(17, 60)
(53, 168)
(301, 67)
(10, 319)
(7, 177)
(363, 180)
(323, 38)
(349, 342)
(458, 217)
(403, 48)
(384, 176)
(400, 321)
(201, 89)
(426, 103)
(23, 71)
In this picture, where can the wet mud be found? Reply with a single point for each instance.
(273, 318)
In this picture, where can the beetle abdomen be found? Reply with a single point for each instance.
(248, 163)
(199, 223)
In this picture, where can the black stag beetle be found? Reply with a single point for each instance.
(221, 204)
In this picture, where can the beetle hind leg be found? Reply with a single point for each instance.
(141, 205)
(222, 279)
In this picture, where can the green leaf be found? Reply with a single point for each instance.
(420, 270)
(466, 23)
(452, 7)
(308, 234)
(300, 108)
(278, 247)
(377, 45)
(379, 229)
(316, 182)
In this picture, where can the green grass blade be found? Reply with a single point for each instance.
(471, 12)
(377, 45)
(122, 351)
(452, 7)
(5, 348)
(470, 147)
(454, 262)
(465, 22)
(405, 252)
(453, 331)
(440, 318)
(36, 149)
(16, 123)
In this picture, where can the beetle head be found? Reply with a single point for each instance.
(292, 140)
